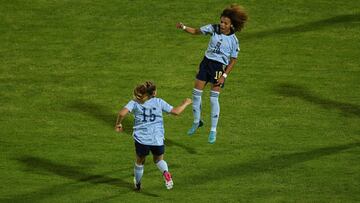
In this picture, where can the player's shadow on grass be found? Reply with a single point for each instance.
(170, 143)
(41, 165)
(291, 90)
(269, 165)
(45, 166)
(329, 22)
(101, 113)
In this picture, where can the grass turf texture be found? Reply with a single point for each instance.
(290, 111)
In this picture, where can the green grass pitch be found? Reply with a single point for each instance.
(289, 129)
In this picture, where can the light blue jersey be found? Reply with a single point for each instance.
(221, 47)
(149, 123)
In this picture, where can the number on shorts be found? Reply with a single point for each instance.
(218, 74)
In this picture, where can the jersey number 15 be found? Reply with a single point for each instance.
(151, 116)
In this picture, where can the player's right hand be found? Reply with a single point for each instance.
(179, 25)
(119, 128)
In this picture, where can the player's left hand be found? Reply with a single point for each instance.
(220, 81)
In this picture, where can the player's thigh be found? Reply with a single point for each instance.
(158, 158)
(140, 160)
(141, 150)
(199, 84)
(215, 87)
(157, 152)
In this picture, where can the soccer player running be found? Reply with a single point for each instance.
(148, 130)
(218, 62)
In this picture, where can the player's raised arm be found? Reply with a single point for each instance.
(177, 110)
(194, 31)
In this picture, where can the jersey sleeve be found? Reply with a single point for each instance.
(207, 29)
(235, 49)
(130, 106)
(165, 106)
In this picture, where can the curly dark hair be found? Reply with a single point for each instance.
(237, 15)
(144, 91)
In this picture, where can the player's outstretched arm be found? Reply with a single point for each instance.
(177, 110)
(194, 31)
(122, 113)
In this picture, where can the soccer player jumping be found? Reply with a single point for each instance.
(219, 60)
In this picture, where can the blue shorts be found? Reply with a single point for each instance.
(143, 150)
(210, 70)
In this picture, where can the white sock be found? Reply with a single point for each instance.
(162, 165)
(215, 109)
(138, 172)
(197, 104)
